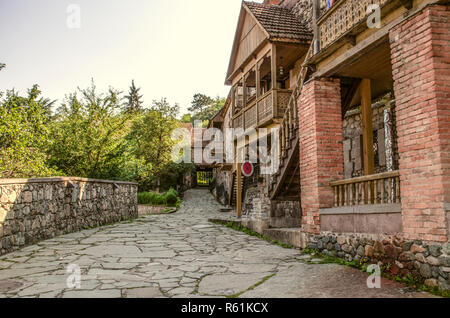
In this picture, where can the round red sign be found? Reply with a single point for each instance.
(247, 169)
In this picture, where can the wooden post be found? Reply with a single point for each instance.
(316, 11)
(239, 189)
(233, 100)
(244, 91)
(274, 66)
(367, 127)
(258, 80)
(258, 91)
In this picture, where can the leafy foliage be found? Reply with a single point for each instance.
(89, 137)
(24, 135)
(170, 198)
(204, 107)
(151, 135)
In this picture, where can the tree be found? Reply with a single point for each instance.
(24, 135)
(2, 66)
(200, 103)
(89, 135)
(187, 118)
(204, 107)
(134, 102)
(151, 134)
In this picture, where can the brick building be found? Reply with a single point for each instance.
(363, 110)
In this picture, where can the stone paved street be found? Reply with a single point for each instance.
(177, 255)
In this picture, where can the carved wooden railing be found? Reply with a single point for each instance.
(342, 17)
(259, 111)
(265, 107)
(383, 188)
(238, 121)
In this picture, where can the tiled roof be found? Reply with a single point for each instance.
(280, 22)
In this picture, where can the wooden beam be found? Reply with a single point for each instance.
(408, 4)
(239, 190)
(367, 127)
(349, 96)
(351, 39)
(352, 54)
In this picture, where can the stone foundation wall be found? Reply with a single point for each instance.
(32, 210)
(427, 262)
(256, 208)
(285, 214)
(260, 212)
(223, 181)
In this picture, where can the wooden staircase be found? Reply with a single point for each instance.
(285, 184)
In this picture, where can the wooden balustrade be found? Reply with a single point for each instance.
(265, 107)
(383, 188)
(260, 111)
(342, 17)
(238, 121)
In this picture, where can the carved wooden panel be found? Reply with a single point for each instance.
(250, 117)
(283, 100)
(344, 16)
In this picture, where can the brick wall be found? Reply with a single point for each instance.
(321, 152)
(420, 59)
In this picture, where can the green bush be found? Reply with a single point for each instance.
(170, 198)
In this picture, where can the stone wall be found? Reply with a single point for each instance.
(260, 212)
(256, 208)
(386, 152)
(285, 214)
(32, 210)
(425, 261)
(222, 185)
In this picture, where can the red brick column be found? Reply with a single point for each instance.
(420, 60)
(321, 152)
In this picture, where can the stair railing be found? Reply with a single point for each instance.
(289, 123)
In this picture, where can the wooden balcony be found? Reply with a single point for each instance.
(383, 188)
(263, 110)
(345, 19)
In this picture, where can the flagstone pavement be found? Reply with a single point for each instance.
(177, 255)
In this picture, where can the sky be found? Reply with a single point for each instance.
(171, 48)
